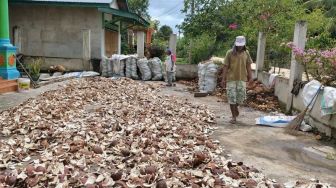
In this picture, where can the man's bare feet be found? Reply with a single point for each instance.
(233, 121)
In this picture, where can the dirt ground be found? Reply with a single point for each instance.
(277, 154)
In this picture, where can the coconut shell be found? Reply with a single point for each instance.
(97, 149)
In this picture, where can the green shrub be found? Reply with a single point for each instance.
(181, 61)
(157, 51)
(35, 66)
(182, 48)
(201, 49)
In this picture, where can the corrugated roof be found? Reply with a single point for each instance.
(122, 4)
(76, 1)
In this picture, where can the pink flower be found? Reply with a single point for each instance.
(319, 62)
(312, 52)
(233, 26)
(298, 51)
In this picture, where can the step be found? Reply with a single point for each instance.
(8, 86)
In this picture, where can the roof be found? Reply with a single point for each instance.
(122, 4)
(76, 1)
(125, 16)
(103, 5)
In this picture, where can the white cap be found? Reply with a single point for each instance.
(240, 41)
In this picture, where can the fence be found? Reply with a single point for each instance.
(283, 85)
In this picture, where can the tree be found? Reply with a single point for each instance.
(155, 24)
(164, 32)
(329, 8)
(140, 7)
(220, 21)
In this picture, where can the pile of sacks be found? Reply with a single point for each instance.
(131, 66)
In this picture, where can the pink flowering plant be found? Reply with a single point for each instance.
(320, 64)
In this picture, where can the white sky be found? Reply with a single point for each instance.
(168, 12)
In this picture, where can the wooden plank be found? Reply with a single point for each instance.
(8, 86)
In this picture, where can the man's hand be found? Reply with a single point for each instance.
(250, 83)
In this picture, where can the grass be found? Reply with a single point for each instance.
(181, 61)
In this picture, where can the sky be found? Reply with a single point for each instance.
(168, 12)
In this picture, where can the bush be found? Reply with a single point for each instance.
(322, 41)
(320, 64)
(157, 51)
(182, 48)
(35, 66)
(201, 49)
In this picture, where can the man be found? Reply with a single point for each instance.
(170, 67)
(237, 71)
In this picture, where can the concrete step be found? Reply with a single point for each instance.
(8, 86)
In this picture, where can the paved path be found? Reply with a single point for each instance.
(9, 100)
(279, 155)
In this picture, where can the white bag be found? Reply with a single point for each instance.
(309, 92)
(156, 69)
(145, 71)
(207, 77)
(131, 68)
(107, 67)
(328, 103)
(274, 121)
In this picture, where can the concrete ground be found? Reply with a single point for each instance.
(278, 155)
(9, 100)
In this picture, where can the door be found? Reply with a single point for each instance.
(111, 42)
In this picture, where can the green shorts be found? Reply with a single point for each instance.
(236, 92)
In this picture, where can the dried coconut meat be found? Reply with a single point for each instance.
(99, 132)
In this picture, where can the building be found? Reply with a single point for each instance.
(71, 32)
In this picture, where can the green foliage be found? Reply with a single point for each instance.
(181, 61)
(182, 47)
(164, 32)
(276, 18)
(125, 47)
(35, 66)
(329, 6)
(139, 7)
(201, 49)
(332, 28)
(158, 48)
(155, 24)
(322, 41)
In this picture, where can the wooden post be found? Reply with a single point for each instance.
(296, 69)
(260, 53)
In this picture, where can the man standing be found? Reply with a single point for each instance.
(237, 71)
(170, 67)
